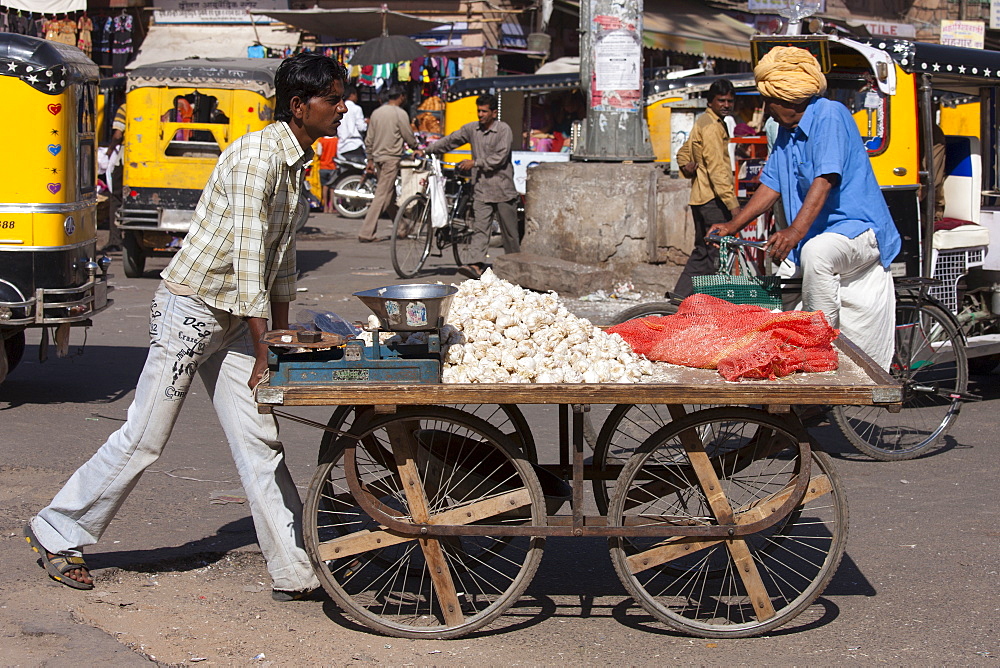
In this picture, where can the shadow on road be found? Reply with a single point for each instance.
(101, 375)
(180, 558)
(311, 260)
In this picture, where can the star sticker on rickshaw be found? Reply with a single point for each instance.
(986, 72)
(937, 68)
(899, 47)
(961, 69)
(55, 171)
(12, 67)
(32, 79)
(51, 85)
(54, 132)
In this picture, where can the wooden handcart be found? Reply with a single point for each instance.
(428, 512)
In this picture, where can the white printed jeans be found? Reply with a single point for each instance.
(187, 336)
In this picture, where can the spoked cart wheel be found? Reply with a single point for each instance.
(423, 465)
(728, 466)
(931, 363)
(508, 418)
(624, 430)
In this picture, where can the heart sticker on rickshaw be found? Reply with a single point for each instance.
(54, 187)
(54, 109)
(54, 149)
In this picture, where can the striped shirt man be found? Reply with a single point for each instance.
(239, 254)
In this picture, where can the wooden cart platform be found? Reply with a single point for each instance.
(858, 381)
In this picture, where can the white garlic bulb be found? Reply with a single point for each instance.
(499, 332)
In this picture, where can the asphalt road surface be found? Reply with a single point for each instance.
(180, 579)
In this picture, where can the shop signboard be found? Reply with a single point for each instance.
(886, 29)
(994, 14)
(970, 34)
(775, 6)
(213, 11)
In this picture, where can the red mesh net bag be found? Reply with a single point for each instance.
(740, 340)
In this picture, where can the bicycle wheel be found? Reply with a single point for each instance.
(931, 364)
(411, 236)
(354, 207)
(644, 311)
(427, 587)
(461, 225)
(508, 418)
(723, 466)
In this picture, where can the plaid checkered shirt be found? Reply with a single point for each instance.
(239, 254)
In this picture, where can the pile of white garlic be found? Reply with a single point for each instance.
(506, 334)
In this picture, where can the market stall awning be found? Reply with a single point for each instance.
(170, 42)
(689, 26)
(462, 51)
(692, 27)
(355, 24)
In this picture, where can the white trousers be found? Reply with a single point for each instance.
(844, 279)
(187, 336)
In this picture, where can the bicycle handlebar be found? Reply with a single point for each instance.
(734, 241)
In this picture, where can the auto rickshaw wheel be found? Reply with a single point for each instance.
(133, 257)
(14, 349)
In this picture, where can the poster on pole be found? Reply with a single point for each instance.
(618, 62)
(616, 79)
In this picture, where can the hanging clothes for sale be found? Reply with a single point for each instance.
(121, 44)
(83, 40)
(104, 28)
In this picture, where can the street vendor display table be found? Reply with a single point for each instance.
(427, 515)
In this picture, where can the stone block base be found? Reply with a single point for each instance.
(539, 272)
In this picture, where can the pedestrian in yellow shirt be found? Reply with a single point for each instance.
(704, 158)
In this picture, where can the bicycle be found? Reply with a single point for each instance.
(929, 361)
(414, 236)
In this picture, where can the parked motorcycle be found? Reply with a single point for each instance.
(353, 190)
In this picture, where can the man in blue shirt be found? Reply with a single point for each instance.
(841, 238)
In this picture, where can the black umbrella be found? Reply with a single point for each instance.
(353, 23)
(387, 49)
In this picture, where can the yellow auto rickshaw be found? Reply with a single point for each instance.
(180, 115)
(523, 103)
(50, 272)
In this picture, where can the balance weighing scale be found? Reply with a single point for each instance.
(297, 358)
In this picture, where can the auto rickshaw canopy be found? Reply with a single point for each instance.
(46, 66)
(253, 74)
(537, 83)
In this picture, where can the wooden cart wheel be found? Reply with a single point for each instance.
(508, 418)
(931, 363)
(464, 471)
(624, 430)
(725, 466)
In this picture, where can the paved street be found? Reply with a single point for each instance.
(180, 579)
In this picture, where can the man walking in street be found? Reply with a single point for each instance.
(208, 316)
(350, 134)
(388, 130)
(492, 177)
(704, 158)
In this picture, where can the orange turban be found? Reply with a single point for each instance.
(789, 73)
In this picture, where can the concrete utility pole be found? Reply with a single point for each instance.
(611, 78)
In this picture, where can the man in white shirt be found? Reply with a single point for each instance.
(351, 144)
